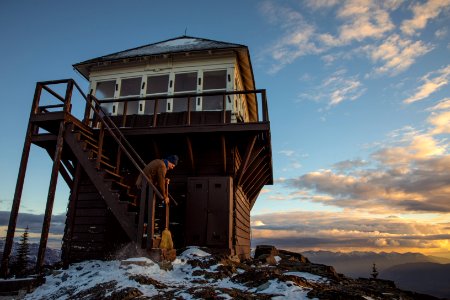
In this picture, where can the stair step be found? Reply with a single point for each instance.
(104, 163)
(108, 172)
(91, 145)
(83, 129)
(93, 155)
(84, 136)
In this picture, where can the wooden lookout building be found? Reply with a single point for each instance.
(188, 96)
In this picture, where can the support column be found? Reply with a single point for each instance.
(19, 186)
(50, 197)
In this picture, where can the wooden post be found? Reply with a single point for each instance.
(142, 204)
(224, 114)
(50, 198)
(19, 185)
(100, 146)
(71, 216)
(188, 111)
(155, 113)
(151, 198)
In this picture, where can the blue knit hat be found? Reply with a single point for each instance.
(173, 159)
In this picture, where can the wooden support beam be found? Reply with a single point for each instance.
(250, 172)
(54, 94)
(190, 154)
(142, 204)
(19, 185)
(151, 198)
(70, 221)
(155, 147)
(247, 156)
(50, 198)
(224, 153)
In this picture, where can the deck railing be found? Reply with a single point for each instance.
(256, 109)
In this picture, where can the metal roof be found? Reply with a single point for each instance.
(174, 45)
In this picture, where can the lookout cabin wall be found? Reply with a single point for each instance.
(171, 76)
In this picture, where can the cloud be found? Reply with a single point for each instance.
(363, 19)
(347, 165)
(34, 222)
(397, 54)
(441, 33)
(422, 13)
(441, 105)
(441, 122)
(319, 4)
(325, 230)
(287, 152)
(409, 176)
(432, 82)
(338, 88)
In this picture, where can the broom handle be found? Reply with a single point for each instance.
(167, 206)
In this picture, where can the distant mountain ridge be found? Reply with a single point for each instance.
(411, 271)
(423, 277)
(52, 256)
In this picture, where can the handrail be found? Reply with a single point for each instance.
(185, 95)
(133, 161)
(87, 98)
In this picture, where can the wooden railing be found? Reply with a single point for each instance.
(258, 105)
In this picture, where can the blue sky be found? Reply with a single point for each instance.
(358, 96)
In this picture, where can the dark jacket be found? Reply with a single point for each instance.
(156, 170)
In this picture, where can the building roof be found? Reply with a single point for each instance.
(171, 46)
(174, 45)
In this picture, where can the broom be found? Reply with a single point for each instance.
(166, 238)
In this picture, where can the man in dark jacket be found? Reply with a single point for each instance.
(156, 171)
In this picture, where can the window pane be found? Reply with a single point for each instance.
(180, 104)
(105, 89)
(150, 106)
(214, 80)
(132, 107)
(212, 103)
(157, 84)
(130, 87)
(186, 82)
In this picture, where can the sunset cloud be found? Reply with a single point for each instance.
(422, 13)
(363, 19)
(347, 230)
(397, 54)
(432, 82)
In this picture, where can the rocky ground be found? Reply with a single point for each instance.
(195, 274)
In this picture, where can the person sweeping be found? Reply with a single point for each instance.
(156, 170)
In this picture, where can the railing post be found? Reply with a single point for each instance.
(264, 105)
(68, 96)
(224, 112)
(100, 146)
(188, 121)
(155, 112)
(124, 114)
(151, 200)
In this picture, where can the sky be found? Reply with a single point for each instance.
(358, 95)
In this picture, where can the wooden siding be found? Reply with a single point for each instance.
(241, 223)
(95, 233)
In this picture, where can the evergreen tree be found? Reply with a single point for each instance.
(374, 271)
(21, 265)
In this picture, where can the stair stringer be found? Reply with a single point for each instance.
(112, 199)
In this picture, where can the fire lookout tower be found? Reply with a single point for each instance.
(188, 96)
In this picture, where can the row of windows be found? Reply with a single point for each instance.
(160, 84)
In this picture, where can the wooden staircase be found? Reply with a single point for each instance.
(118, 196)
